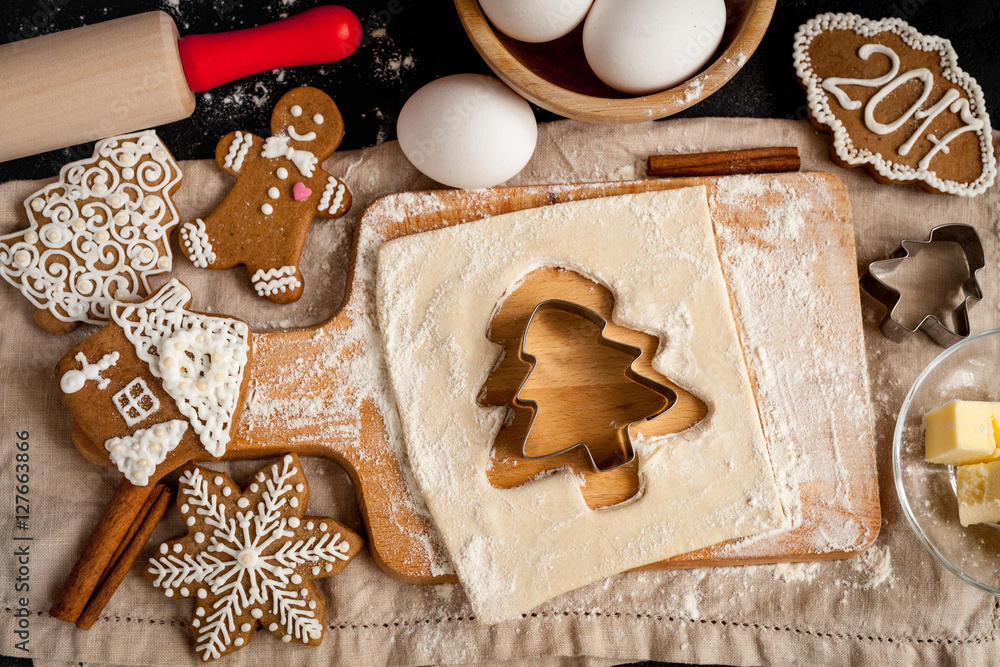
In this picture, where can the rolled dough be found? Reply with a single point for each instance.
(515, 548)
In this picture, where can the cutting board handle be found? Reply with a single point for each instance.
(314, 37)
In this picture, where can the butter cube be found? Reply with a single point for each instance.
(978, 488)
(962, 432)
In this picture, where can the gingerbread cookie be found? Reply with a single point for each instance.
(158, 381)
(896, 102)
(249, 558)
(96, 235)
(263, 221)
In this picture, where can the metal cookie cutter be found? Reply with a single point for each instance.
(669, 395)
(967, 238)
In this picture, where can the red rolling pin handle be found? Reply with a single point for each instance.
(314, 37)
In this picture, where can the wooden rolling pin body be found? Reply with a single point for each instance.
(133, 73)
(89, 83)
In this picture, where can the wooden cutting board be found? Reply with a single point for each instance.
(322, 391)
(840, 513)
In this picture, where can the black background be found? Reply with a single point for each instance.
(424, 40)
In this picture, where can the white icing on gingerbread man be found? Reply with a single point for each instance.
(263, 221)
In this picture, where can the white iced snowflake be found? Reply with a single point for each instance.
(250, 552)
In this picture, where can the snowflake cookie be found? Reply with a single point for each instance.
(249, 558)
(263, 221)
(96, 235)
(895, 102)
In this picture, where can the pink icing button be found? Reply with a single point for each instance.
(301, 192)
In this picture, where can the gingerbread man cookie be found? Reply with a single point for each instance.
(250, 558)
(263, 221)
(97, 234)
(895, 102)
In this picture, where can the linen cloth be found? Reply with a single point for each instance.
(893, 605)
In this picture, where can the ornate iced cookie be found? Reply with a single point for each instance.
(250, 557)
(96, 235)
(896, 102)
(158, 382)
(280, 187)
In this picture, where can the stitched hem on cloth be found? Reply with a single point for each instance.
(870, 638)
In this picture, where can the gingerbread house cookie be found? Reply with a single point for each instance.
(156, 378)
(895, 102)
(280, 187)
(97, 234)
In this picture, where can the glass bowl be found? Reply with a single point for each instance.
(969, 370)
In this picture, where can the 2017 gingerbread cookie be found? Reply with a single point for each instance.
(896, 102)
(263, 221)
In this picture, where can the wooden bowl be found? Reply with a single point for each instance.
(555, 75)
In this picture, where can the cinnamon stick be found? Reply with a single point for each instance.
(163, 495)
(136, 523)
(724, 163)
(102, 544)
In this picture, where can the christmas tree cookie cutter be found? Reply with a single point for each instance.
(892, 328)
(668, 394)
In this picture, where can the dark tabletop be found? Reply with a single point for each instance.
(411, 42)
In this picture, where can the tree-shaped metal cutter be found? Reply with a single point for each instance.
(968, 240)
(669, 395)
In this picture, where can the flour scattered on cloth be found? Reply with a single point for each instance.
(689, 607)
(868, 571)
(796, 572)
(875, 568)
(628, 172)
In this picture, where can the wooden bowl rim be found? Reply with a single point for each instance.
(588, 108)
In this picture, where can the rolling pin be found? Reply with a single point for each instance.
(136, 72)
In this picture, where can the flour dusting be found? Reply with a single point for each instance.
(782, 296)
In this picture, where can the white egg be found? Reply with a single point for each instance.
(535, 20)
(467, 131)
(645, 46)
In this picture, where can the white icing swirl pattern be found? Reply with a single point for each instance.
(200, 359)
(98, 233)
